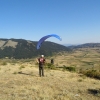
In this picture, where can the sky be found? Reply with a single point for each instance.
(75, 21)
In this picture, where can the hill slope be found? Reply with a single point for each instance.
(20, 48)
(86, 45)
(20, 81)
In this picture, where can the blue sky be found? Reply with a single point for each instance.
(76, 21)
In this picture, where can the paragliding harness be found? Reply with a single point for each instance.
(41, 61)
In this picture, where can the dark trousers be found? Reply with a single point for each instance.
(41, 70)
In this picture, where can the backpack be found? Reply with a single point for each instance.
(41, 60)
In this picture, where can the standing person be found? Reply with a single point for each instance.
(52, 61)
(41, 62)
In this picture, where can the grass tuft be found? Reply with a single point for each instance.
(4, 63)
(21, 67)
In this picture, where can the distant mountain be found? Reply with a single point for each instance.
(20, 48)
(86, 45)
(67, 45)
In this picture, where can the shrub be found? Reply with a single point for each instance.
(93, 74)
(71, 69)
(80, 80)
(21, 67)
(14, 72)
(4, 63)
(50, 66)
(95, 92)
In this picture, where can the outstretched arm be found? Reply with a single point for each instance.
(37, 60)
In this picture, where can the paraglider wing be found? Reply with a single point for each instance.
(45, 37)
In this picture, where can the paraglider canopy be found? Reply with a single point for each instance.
(45, 37)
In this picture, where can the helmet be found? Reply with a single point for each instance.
(42, 55)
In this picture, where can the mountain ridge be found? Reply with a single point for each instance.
(21, 48)
(85, 45)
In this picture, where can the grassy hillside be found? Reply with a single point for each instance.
(21, 49)
(20, 79)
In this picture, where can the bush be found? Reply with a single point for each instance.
(15, 73)
(50, 66)
(4, 63)
(21, 67)
(93, 74)
(95, 92)
(71, 69)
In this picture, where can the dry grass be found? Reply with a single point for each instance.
(20, 80)
(84, 59)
